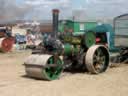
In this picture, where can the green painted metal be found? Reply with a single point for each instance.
(67, 38)
(75, 25)
(60, 27)
(76, 40)
(53, 73)
(90, 25)
(107, 28)
(70, 38)
(78, 33)
(90, 39)
(68, 49)
(65, 25)
(71, 49)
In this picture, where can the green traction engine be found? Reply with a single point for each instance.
(65, 51)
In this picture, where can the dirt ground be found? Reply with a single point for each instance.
(114, 82)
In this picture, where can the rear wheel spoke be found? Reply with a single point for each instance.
(100, 57)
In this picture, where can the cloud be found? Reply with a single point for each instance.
(105, 8)
(33, 9)
(9, 11)
(47, 2)
(43, 8)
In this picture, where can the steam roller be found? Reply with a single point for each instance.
(66, 51)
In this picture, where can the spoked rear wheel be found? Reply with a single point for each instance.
(97, 59)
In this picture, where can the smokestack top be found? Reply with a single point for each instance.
(56, 11)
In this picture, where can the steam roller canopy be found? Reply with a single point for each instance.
(97, 59)
(90, 39)
(38, 66)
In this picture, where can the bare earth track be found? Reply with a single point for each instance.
(13, 82)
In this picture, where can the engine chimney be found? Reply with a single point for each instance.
(55, 22)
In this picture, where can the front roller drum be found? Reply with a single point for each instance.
(43, 67)
(97, 59)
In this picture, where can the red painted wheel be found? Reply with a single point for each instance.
(7, 44)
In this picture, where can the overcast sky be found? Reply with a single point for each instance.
(41, 9)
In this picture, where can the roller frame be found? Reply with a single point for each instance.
(37, 68)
